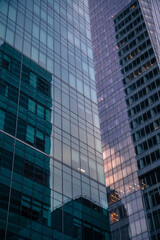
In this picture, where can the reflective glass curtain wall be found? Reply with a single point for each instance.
(51, 167)
(126, 55)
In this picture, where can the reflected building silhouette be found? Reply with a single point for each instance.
(86, 221)
(25, 92)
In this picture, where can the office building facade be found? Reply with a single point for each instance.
(126, 49)
(51, 168)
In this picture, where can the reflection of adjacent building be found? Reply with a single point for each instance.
(25, 120)
(81, 219)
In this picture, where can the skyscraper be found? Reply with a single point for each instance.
(126, 49)
(51, 167)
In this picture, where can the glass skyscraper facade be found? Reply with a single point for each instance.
(52, 182)
(126, 49)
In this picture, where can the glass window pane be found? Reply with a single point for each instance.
(50, 65)
(75, 159)
(12, 13)
(50, 42)
(84, 163)
(82, 135)
(50, 20)
(34, 53)
(93, 95)
(86, 91)
(47, 144)
(100, 170)
(65, 100)
(57, 180)
(35, 31)
(48, 115)
(20, 19)
(57, 150)
(85, 190)
(40, 110)
(66, 125)
(36, 8)
(43, 14)
(4, 7)
(43, 36)
(26, 48)
(98, 145)
(76, 187)
(39, 135)
(33, 80)
(90, 140)
(79, 86)
(74, 130)
(30, 134)
(2, 30)
(92, 168)
(42, 59)
(31, 105)
(2, 119)
(57, 120)
(96, 120)
(10, 36)
(67, 190)
(66, 154)
(18, 42)
(72, 80)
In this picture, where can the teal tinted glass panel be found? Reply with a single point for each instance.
(2, 119)
(39, 135)
(40, 110)
(33, 80)
(31, 105)
(30, 134)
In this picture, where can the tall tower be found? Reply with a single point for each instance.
(51, 167)
(126, 53)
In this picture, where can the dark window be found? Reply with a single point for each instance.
(87, 232)
(157, 197)
(36, 174)
(23, 100)
(40, 144)
(18, 165)
(6, 159)
(3, 89)
(6, 62)
(158, 175)
(25, 74)
(21, 130)
(4, 192)
(43, 86)
(28, 170)
(13, 94)
(150, 222)
(16, 66)
(10, 123)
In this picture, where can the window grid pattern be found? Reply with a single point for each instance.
(143, 69)
(123, 55)
(52, 175)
